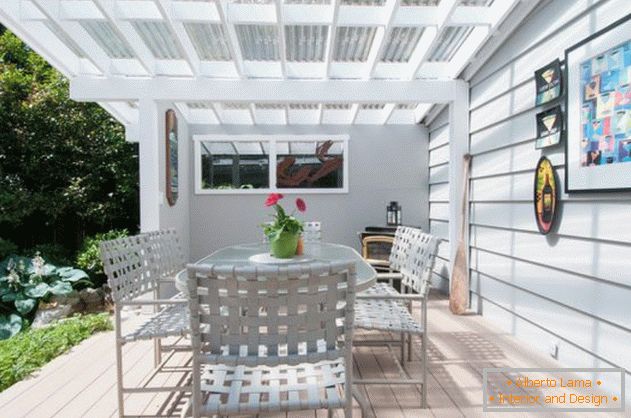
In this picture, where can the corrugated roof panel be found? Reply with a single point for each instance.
(64, 38)
(420, 2)
(363, 2)
(303, 106)
(307, 1)
(209, 40)
(372, 106)
(406, 106)
(199, 105)
(269, 106)
(401, 43)
(476, 2)
(449, 42)
(159, 39)
(108, 38)
(337, 106)
(352, 43)
(258, 42)
(305, 43)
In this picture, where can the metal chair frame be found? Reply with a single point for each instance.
(137, 266)
(413, 253)
(249, 360)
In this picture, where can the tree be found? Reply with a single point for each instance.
(65, 168)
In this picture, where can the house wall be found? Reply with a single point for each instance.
(385, 162)
(438, 163)
(571, 288)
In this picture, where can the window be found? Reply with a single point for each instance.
(260, 164)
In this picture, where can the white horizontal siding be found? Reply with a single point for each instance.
(438, 156)
(573, 286)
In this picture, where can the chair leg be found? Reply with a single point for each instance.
(402, 349)
(157, 352)
(424, 371)
(409, 347)
(119, 379)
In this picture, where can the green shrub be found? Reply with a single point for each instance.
(30, 350)
(89, 257)
(24, 282)
(7, 248)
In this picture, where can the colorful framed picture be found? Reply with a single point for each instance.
(549, 127)
(171, 141)
(548, 82)
(546, 195)
(598, 106)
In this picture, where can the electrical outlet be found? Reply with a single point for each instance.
(554, 349)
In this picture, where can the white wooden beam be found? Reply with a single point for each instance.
(381, 38)
(387, 112)
(330, 45)
(281, 39)
(144, 55)
(165, 8)
(72, 29)
(263, 91)
(149, 160)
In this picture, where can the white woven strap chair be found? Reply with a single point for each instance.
(296, 354)
(136, 266)
(312, 231)
(383, 308)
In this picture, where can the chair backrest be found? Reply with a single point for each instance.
(376, 247)
(312, 231)
(402, 245)
(269, 315)
(418, 267)
(135, 265)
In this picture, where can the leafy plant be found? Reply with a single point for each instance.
(23, 354)
(24, 282)
(282, 222)
(7, 248)
(53, 253)
(89, 258)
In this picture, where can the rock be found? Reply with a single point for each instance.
(93, 300)
(49, 313)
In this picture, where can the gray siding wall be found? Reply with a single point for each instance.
(571, 288)
(438, 161)
(385, 162)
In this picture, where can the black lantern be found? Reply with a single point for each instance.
(393, 213)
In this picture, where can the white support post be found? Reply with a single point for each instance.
(458, 147)
(149, 161)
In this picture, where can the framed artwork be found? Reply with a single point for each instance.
(171, 141)
(548, 82)
(598, 106)
(549, 127)
(545, 195)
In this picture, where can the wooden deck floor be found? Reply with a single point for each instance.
(82, 383)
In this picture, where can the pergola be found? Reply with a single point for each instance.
(264, 62)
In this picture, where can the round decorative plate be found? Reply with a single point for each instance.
(267, 258)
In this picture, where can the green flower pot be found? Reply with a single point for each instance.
(285, 245)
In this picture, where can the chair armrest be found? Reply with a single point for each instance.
(390, 297)
(376, 262)
(389, 276)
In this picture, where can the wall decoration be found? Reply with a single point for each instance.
(171, 141)
(598, 146)
(546, 195)
(548, 82)
(549, 127)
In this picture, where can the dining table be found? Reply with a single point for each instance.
(243, 255)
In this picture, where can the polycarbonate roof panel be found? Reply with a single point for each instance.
(420, 2)
(64, 38)
(476, 2)
(401, 43)
(258, 42)
(372, 106)
(352, 43)
(209, 40)
(199, 105)
(303, 106)
(406, 106)
(269, 106)
(306, 43)
(234, 106)
(307, 1)
(449, 42)
(108, 38)
(337, 106)
(363, 2)
(159, 39)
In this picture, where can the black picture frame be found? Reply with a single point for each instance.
(549, 92)
(566, 75)
(557, 129)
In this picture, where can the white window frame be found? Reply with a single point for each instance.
(272, 139)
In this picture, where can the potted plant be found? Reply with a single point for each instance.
(284, 231)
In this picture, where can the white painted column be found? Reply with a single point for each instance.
(149, 161)
(458, 147)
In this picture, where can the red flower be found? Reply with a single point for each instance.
(301, 205)
(273, 199)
